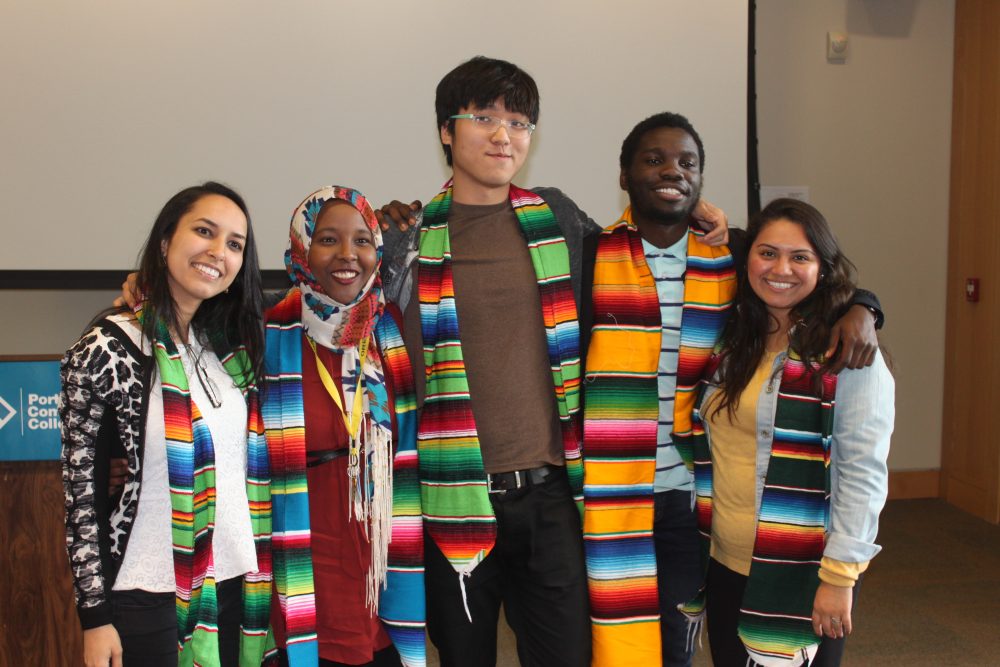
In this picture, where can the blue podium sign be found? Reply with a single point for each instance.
(29, 410)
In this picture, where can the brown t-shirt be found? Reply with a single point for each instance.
(503, 339)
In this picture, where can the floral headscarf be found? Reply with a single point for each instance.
(335, 325)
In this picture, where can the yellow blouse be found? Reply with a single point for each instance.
(734, 467)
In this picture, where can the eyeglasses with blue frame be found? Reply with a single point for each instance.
(515, 128)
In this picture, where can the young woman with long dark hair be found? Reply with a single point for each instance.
(174, 568)
(790, 459)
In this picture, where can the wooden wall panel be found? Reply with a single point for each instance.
(971, 438)
(38, 622)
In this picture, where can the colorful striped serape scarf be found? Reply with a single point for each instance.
(620, 419)
(388, 502)
(345, 328)
(401, 605)
(776, 614)
(191, 467)
(457, 509)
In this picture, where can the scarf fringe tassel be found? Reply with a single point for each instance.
(370, 503)
(695, 624)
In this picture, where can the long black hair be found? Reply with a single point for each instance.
(745, 335)
(228, 319)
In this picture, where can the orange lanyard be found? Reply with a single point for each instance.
(352, 423)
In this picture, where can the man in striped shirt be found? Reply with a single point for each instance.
(662, 161)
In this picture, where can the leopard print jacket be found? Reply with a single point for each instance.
(105, 391)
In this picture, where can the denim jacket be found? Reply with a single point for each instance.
(859, 476)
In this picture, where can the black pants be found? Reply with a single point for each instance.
(724, 597)
(147, 625)
(678, 570)
(536, 569)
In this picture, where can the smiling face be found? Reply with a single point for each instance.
(342, 254)
(484, 162)
(663, 180)
(783, 267)
(205, 252)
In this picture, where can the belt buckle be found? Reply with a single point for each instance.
(517, 483)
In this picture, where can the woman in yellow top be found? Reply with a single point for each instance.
(790, 468)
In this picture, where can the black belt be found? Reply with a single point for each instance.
(502, 482)
(314, 459)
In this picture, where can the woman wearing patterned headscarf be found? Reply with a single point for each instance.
(339, 414)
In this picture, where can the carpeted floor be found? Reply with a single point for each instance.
(930, 599)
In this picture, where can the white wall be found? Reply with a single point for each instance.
(111, 107)
(871, 139)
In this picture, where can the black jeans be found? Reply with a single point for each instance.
(724, 598)
(678, 570)
(147, 625)
(536, 569)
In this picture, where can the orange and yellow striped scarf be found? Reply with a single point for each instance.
(620, 426)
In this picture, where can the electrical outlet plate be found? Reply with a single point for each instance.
(836, 47)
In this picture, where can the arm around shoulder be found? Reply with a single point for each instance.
(869, 300)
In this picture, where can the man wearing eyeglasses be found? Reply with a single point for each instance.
(491, 323)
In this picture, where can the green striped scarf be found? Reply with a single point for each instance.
(776, 613)
(191, 463)
(457, 510)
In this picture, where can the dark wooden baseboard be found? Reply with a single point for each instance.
(906, 484)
